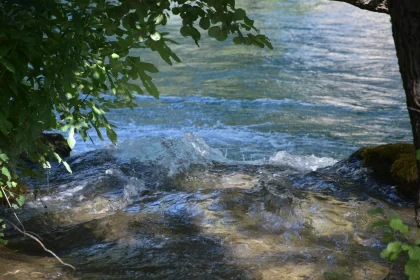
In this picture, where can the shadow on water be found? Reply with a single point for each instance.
(164, 247)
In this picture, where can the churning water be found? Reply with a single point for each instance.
(330, 85)
(233, 173)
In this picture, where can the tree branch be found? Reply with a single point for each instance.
(379, 6)
(39, 242)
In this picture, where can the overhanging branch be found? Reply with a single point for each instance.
(379, 6)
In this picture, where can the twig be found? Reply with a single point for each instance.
(413, 109)
(10, 205)
(10, 273)
(18, 271)
(40, 243)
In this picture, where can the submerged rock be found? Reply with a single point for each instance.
(394, 164)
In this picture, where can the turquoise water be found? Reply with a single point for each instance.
(330, 86)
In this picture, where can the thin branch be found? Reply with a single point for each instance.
(10, 205)
(40, 243)
(86, 97)
(413, 109)
(379, 6)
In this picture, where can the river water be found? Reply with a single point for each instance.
(330, 85)
(237, 171)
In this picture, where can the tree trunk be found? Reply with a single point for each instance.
(405, 17)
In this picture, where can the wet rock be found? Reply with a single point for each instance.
(393, 164)
(57, 142)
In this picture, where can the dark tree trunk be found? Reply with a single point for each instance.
(405, 17)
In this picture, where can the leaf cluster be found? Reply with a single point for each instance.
(65, 63)
(392, 227)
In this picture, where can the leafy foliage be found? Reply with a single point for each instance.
(65, 63)
(392, 227)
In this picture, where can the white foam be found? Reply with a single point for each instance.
(301, 162)
(175, 153)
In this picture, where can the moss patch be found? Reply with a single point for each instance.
(394, 164)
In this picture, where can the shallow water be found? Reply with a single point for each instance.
(189, 216)
(236, 171)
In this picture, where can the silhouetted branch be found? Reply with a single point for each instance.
(40, 243)
(379, 6)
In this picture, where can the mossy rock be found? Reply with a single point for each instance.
(394, 164)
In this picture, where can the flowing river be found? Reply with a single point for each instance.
(238, 171)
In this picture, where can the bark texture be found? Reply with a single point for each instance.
(405, 16)
(379, 6)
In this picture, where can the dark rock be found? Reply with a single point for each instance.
(57, 142)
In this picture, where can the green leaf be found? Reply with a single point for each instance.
(392, 251)
(111, 135)
(6, 172)
(237, 41)
(388, 238)
(115, 56)
(11, 184)
(6, 63)
(175, 10)
(134, 88)
(97, 110)
(248, 21)
(185, 30)
(418, 154)
(20, 200)
(159, 19)
(397, 224)
(70, 139)
(148, 67)
(214, 31)
(4, 157)
(376, 211)
(222, 36)
(67, 166)
(414, 253)
(412, 269)
(239, 14)
(57, 156)
(204, 23)
(394, 246)
(155, 36)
